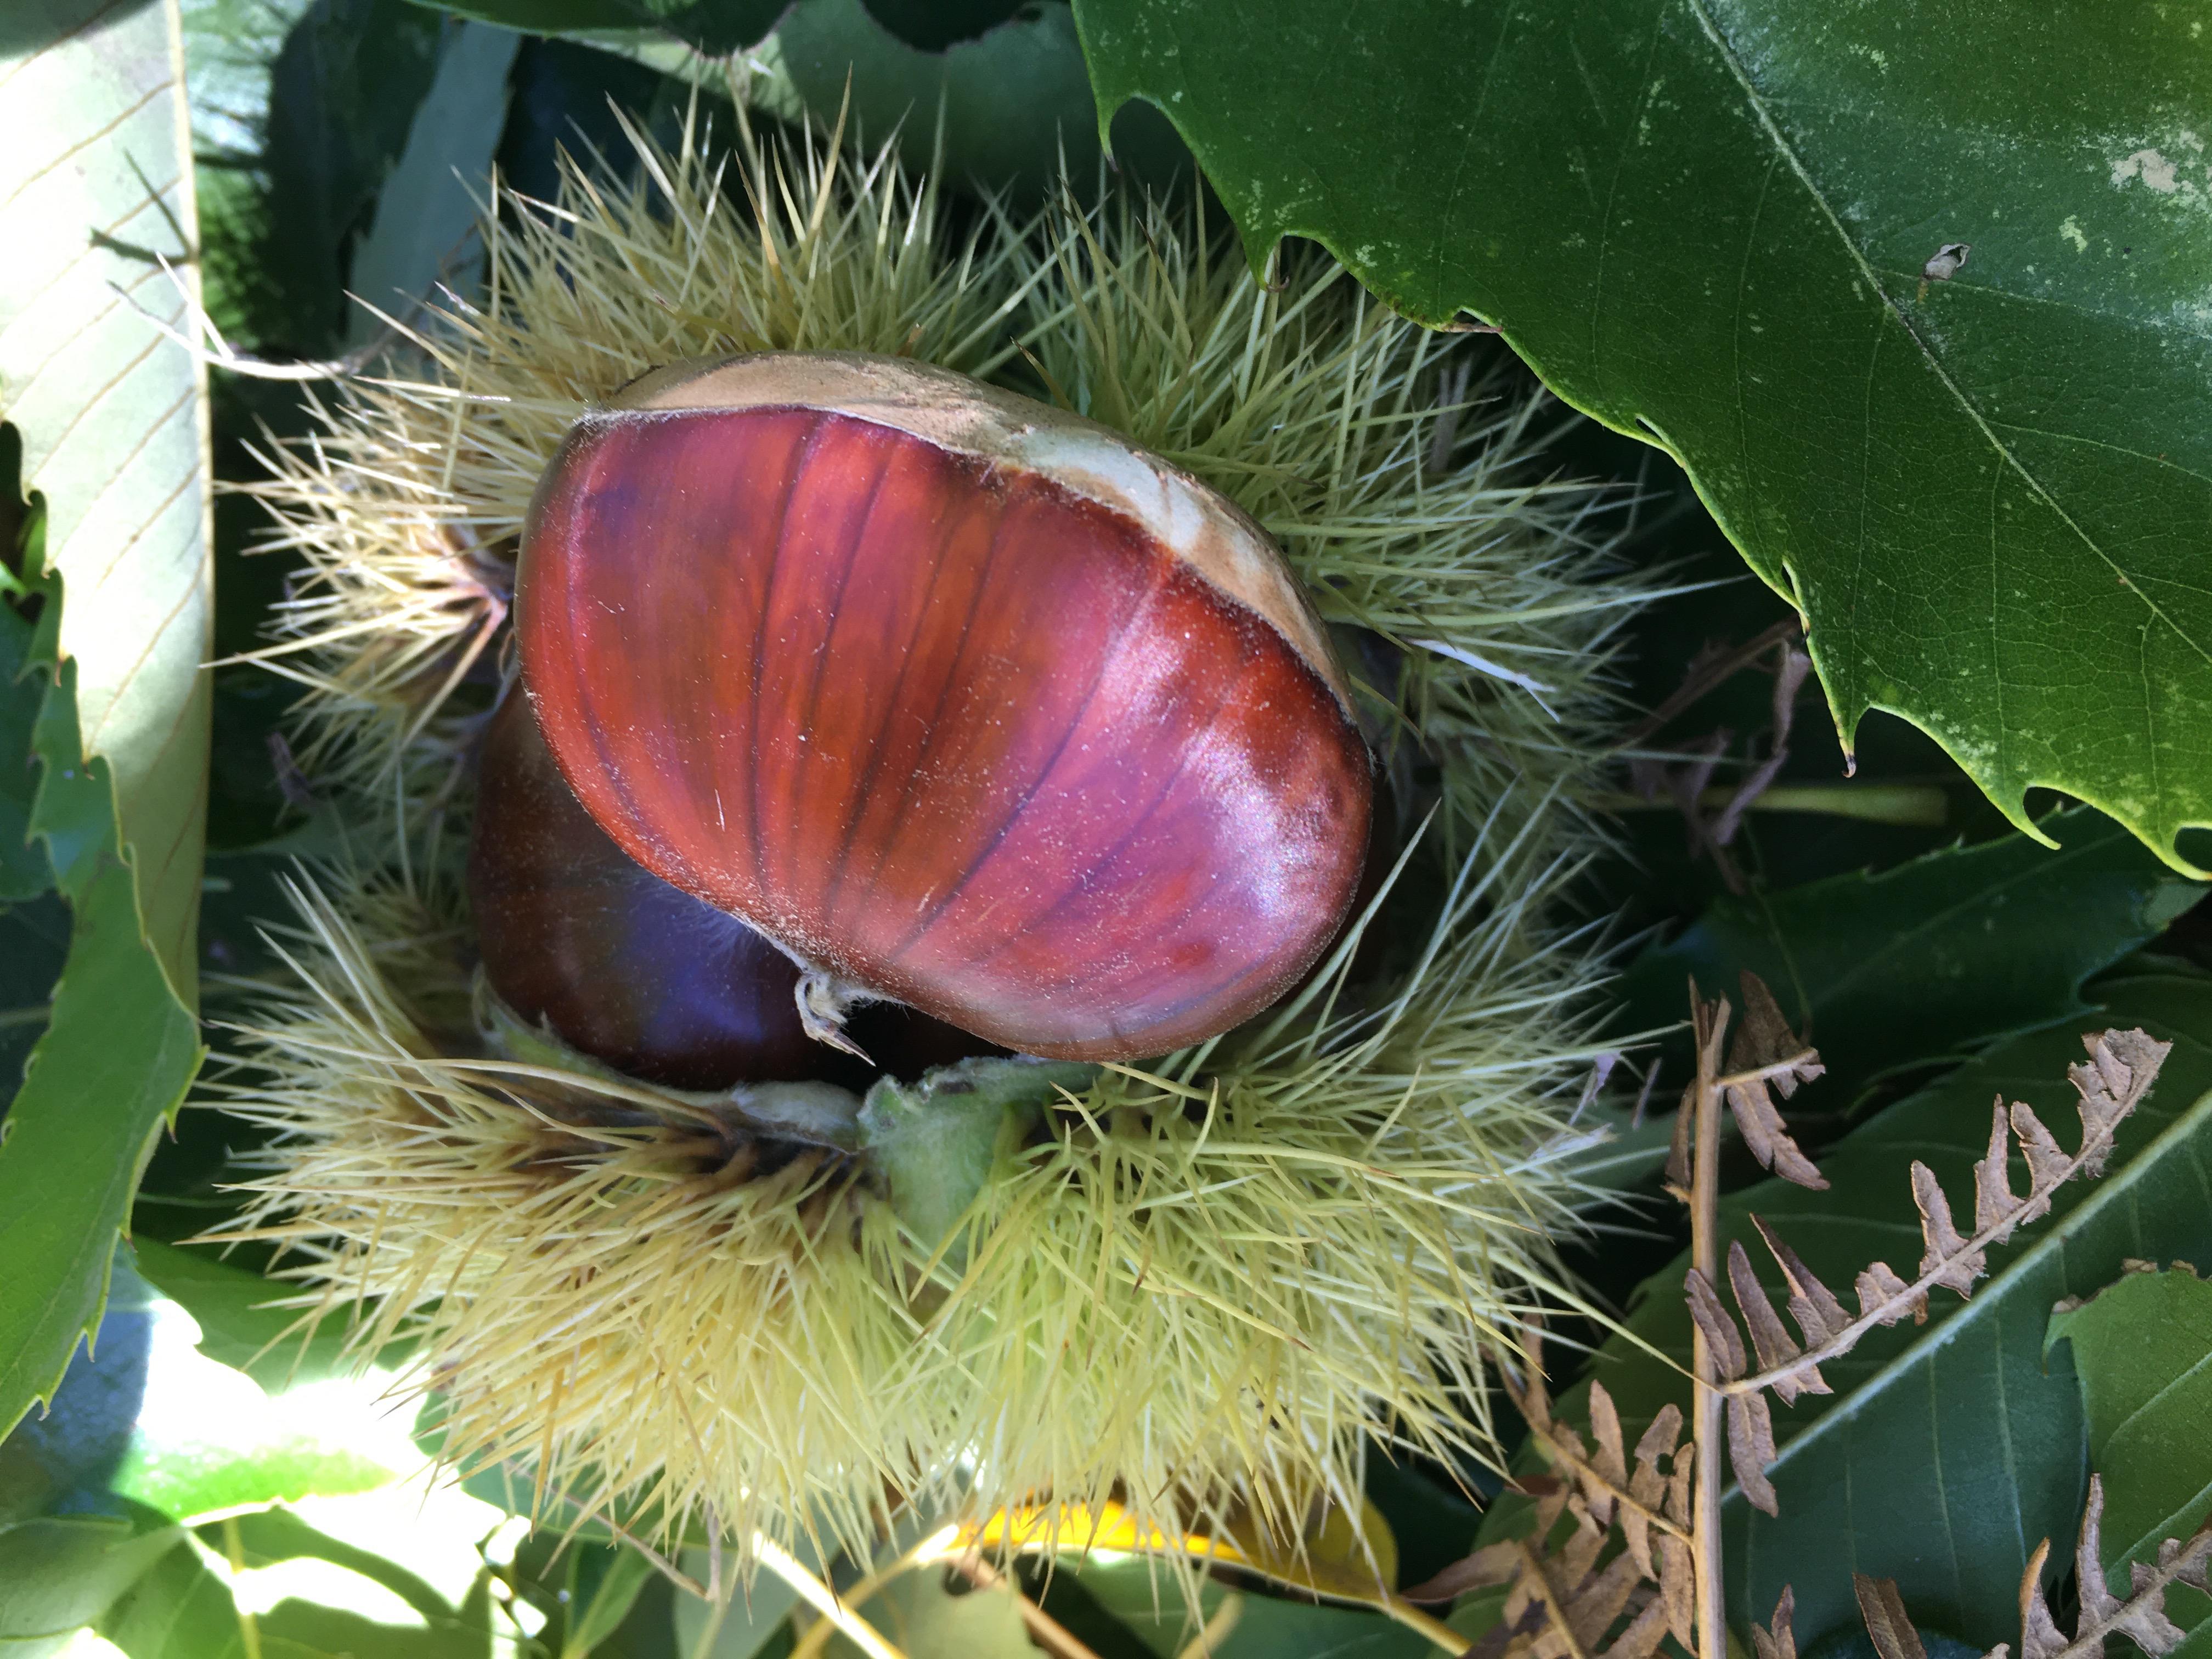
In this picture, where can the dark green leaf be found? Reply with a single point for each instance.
(1145, 1600)
(307, 1630)
(749, 1624)
(543, 16)
(716, 27)
(933, 25)
(919, 1612)
(34, 943)
(111, 1065)
(565, 97)
(1001, 109)
(604, 1585)
(2142, 1350)
(63, 1571)
(147, 1417)
(1945, 1451)
(343, 92)
(423, 233)
(1706, 223)
(1922, 961)
(179, 1610)
(24, 872)
(207, 1444)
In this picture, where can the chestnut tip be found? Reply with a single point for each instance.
(963, 701)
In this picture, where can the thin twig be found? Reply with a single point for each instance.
(219, 353)
(1703, 679)
(823, 1599)
(1413, 1618)
(1216, 1629)
(1711, 1020)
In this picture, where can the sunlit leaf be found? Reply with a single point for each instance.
(95, 185)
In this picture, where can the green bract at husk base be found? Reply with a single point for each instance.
(1202, 1287)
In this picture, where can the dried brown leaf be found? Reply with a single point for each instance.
(1996, 1210)
(2142, 1616)
(2039, 1635)
(1679, 1484)
(1948, 1261)
(1751, 1447)
(1678, 1149)
(1577, 1557)
(1766, 1054)
(1533, 1401)
(1508, 1636)
(1595, 1604)
(1769, 1340)
(1608, 1472)
(1678, 1591)
(2048, 1164)
(1647, 1487)
(1641, 1639)
(1714, 1324)
(1893, 1635)
(2122, 1066)
(1818, 1315)
(1491, 1564)
(2120, 1071)
(1879, 1287)
(1764, 1040)
(1778, 1640)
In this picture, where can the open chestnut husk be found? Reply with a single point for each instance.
(1200, 1291)
(625, 969)
(966, 701)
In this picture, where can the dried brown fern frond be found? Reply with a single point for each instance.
(2141, 1618)
(1883, 1609)
(2119, 1072)
(1563, 1601)
(1775, 1639)
(1765, 1058)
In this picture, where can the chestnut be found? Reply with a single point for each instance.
(966, 703)
(623, 966)
(574, 932)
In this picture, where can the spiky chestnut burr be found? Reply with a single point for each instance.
(629, 970)
(966, 701)
(1203, 1286)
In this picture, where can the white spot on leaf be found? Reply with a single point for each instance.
(2149, 165)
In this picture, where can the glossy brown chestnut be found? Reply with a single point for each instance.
(967, 703)
(632, 971)
(623, 966)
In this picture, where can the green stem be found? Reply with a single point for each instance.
(1920, 804)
